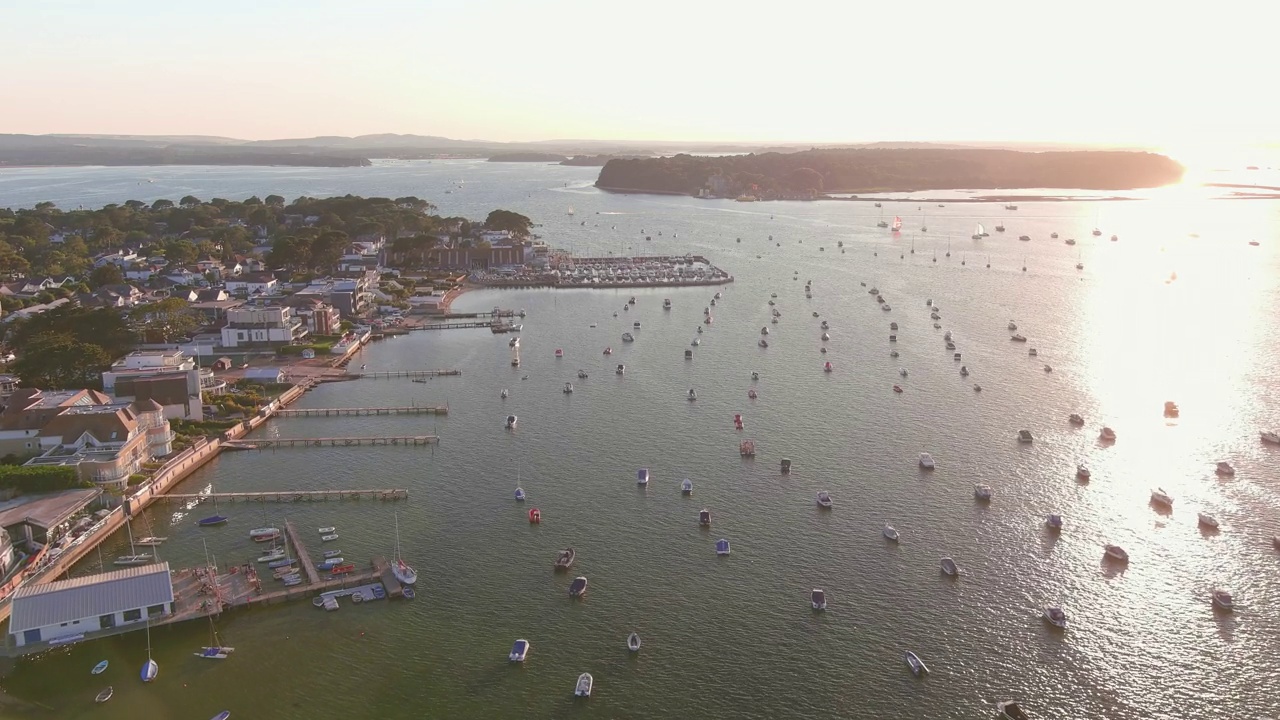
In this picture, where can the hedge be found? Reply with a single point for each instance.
(40, 478)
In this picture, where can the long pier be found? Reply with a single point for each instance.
(295, 495)
(308, 565)
(327, 412)
(273, 443)
(453, 326)
(385, 375)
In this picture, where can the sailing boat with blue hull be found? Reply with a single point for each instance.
(150, 668)
(215, 518)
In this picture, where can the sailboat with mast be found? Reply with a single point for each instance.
(897, 224)
(882, 223)
(215, 518)
(149, 540)
(405, 574)
(134, 557)
(150, 668)
(924, 226)
(215, 650)
(979, 232)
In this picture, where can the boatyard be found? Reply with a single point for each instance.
(611, 272)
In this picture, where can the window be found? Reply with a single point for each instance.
(155, 610)
(30, 636)
(106, 621)
(132, 615)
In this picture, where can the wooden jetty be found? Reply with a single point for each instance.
(327, 412)
(272, 443)
(295, 495)
(454, 325)
(386, 375)
(300, 550)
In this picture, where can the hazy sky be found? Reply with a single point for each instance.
(1120, 71)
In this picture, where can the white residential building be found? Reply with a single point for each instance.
(271, 325)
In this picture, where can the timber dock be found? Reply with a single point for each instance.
(273, 443)
(456, 325)
(295, 495)
(327, 412)
(308, 566)
(386, 375)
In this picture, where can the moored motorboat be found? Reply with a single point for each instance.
(686, 486)
(824, 499)
(1270, 437)
(578, 587)
(1054, 522)
(763, 343)
(628, 337)
(633, 642)
(1018, 338)
(1171, 409)
(1223, 600)
(738, 423)
(276, 554)
(1107, 435)
(949, 567)
(982, 491)
(1160, 497)
(1115, 552)
(1225, 470)
(264, 534)
(583, 688)
(150, 541)
(827, 366)
(519, 651)
(621, 369)
(1024, 436)
(722, 547)
(520, 494)
(926, 460)
(642, 476)
(818, 599)
(564, 560)
(535, 516)
(329, 538)
(1056, 617)
(704, 517)
(568, 388)
(99, 668)
(1012, 711)
(1207, 521)
(1076, 419)
(918, 668)
(890, 533)
(1082, 472)
(692, 395)
(511, 422)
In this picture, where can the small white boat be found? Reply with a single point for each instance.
(511, 422)
(826, 326)
(628, 337)
(276, 554)
(686, 486)
(568, 388)
(1024, 436)
(722, 547)
(215, 652)
(105, 695)
(1207, 521)
(150, 541)
(1076, 419)
(1054, 522)
(763, 343)
(503, 394)
(696, 342)
(583, 688)
(1115, 552)
(1225, 470)
(1160, 497)
(764, 330)
(519, 494)
(890, 533)
(329, 554)
(692, 395)
(818, 599)
(633, 642)
(642, 476)
(982, 491)
(1223, 600)
(1056, 617)
(1083, 472)
(329, 538)
(327, 530)
(964, 371)
(926, 461)
(622, 369)
(260, 534)
(1270, 437)
(824, 499)
(949, 567)
(1012, 326)
(139, 559)
(1012, 711)
(582, 374)
(917, 665)
(826, 337)
(519, 651)
(902, 372)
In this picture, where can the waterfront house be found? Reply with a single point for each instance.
(70, 610)
(253, 284)
(30, 409)
(33, 521)
(169, 377)
(105, 443)
(254, 325)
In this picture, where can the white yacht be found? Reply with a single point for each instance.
(926, 461)
(1160, 497)
(1208, 521)
(890, 533)
(1056, 617)
(982, 491)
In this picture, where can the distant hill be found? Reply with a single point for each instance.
(888, 170)
(528, 157)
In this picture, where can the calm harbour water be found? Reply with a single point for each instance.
(735, 637)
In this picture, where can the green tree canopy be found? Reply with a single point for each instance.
(515, 223)
(108, 274)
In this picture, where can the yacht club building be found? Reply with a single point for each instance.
(67, 611)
